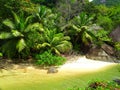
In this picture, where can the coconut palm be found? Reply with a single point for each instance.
(17, 38)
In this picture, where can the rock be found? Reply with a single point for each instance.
(108, 49)
(115, 34)
(52, 70)
(97, 53)
(117, 81)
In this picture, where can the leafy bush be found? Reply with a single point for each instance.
(48, 59)
(100, 85)
(101, 37)
(117, 46)
(105, 22)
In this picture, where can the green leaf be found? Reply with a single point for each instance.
(9, 23)
(17, 33)
(16, 17)
(66, 38)
(64, 46)
(33, 27)
(43, 45)
(5, 35)
(55, 40)
(27, 19)
(56, 51)
(21, 45)
(76, 28)
(1, 54)
(86, 38)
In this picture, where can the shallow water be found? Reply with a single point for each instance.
(39, 80)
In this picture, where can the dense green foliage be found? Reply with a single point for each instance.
(117, 46)
(107, 2)
(18, 35)
(56, 42)
(30, 30)
(46, 29)
(29, 27)
(48, 59)
(49, 3)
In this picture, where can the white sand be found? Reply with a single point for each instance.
(84, 64)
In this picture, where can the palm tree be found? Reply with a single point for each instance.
(81, 25)
(45, 16)
(56, 42)
(78, 30)
(17, 39)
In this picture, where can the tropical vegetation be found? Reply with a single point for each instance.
(31, 27)
(47, 30)
(107, 2)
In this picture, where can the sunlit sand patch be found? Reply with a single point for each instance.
(84, 65)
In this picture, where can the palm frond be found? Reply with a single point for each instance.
(64, 46)
(43, 45)
(5, 35)
(27, 19)
(55, 50)
(65, 26)
(16, 33)
(60, 35)
(9, 23)
(21, 45)
(66, 38)
(42, 11)
(86, 38)
(55, 40)
(76, 28)
(16, 17)
(34, 27)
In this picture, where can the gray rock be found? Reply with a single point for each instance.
(115, 34)
(52, 70)
(117, 81)
(108, 49)
(96, 53)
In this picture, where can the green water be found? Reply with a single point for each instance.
(52, 82)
